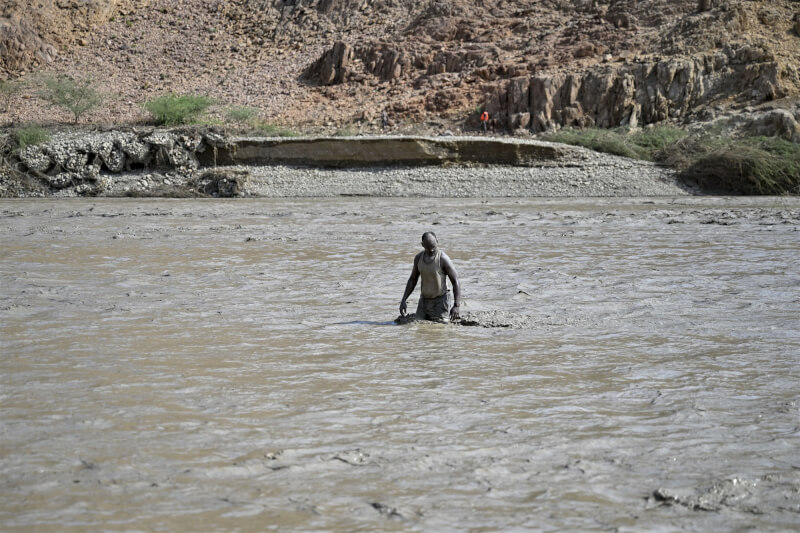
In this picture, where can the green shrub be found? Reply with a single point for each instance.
(749, 165)
(77, 96)
(172, 110)
(275, 131)
(346, 131)
(641, 144)
(241, 114)
(656, 138)
(716, 163)
(608, 141)
(28, 135)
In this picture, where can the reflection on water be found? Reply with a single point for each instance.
(211, 365)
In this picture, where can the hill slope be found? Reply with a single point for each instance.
(534, 64)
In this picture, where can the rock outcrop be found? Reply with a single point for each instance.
(638, 93)
(333, 66)
(598, 80)
(325, 65)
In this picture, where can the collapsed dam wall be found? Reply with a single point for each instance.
(90, 163)
(370, 151)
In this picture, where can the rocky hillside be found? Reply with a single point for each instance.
(310, 64)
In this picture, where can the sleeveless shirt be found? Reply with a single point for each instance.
(434, 282)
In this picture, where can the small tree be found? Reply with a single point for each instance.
(8, 88)
(77, 96)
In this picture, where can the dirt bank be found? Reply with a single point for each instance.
(205, 163)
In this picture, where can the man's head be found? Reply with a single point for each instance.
(429, 241)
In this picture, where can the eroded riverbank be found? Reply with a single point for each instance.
(189, 163)
(218, 365)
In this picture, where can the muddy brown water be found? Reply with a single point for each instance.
(232, 365)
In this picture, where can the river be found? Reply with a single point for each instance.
(207, 365)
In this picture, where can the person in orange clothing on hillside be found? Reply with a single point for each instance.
(485, 121)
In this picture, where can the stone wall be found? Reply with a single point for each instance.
(82, 160)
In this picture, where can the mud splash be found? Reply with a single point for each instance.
(485, 319)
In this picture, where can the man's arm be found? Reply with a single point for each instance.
(410, 286)
(450, 270)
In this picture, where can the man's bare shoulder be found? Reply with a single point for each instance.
(447, 264)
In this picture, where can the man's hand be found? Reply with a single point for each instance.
(403, 308)
(454, 314)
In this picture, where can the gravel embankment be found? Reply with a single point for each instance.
(588, 174)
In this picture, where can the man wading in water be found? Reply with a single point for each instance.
(433, 265)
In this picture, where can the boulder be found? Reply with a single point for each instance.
(332, 68)
(222, 184)
(180, 157)
(387, 62)
(520, 121)
(585, 50)
(114, 160)
(161, 139)
(136, 151)
(63, 180)
(775, 122)
(67, 157)
(35, 159)
(192, 141)
(769, 17)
